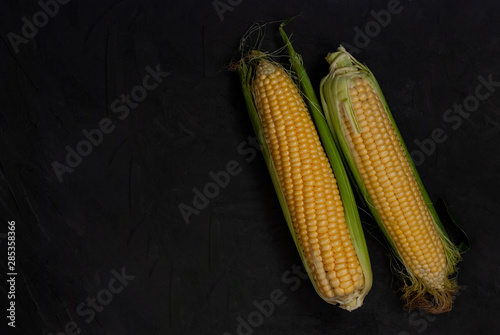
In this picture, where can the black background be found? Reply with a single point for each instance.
(119, 207)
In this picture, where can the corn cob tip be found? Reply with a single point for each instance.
(340, 60)
(432, 301)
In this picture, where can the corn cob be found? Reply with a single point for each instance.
(325, 226)
(364, 128)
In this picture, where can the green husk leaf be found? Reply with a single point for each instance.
(334, 91)
(452, 226)
(350, 209)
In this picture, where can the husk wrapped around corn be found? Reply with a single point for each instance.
(365, 131)
(309, 178)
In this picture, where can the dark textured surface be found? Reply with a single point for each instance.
(119, 207)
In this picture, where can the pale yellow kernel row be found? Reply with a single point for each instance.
(392, 186)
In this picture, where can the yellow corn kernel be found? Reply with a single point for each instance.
(360, 119)
(308, 183)
(425, 250)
